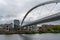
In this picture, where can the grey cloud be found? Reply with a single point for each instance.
(57, 0)
(16, 8)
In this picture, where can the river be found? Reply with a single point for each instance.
(46, 36)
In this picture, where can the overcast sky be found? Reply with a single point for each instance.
(16, 9)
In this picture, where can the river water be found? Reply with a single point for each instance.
(46, 36)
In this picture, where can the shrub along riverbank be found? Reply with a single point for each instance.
(54, 29)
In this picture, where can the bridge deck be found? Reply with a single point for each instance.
(45, 19)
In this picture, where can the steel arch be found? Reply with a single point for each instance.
(41, 4)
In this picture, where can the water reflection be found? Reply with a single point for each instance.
(31, 37)
(25, 37)
(41, 36)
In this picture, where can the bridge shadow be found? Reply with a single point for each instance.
(25, 37)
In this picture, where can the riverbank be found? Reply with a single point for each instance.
(27, 32)
(54, 29)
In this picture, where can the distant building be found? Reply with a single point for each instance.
(31, 28)
(44, 27)
(8, 27)
(34, 26)
(1, 27)
(16, 24)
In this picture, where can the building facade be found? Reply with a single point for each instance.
(16, 24)
(44, 27)
(8, 27)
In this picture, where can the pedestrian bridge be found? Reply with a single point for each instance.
(45, 19)
(50, 18)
